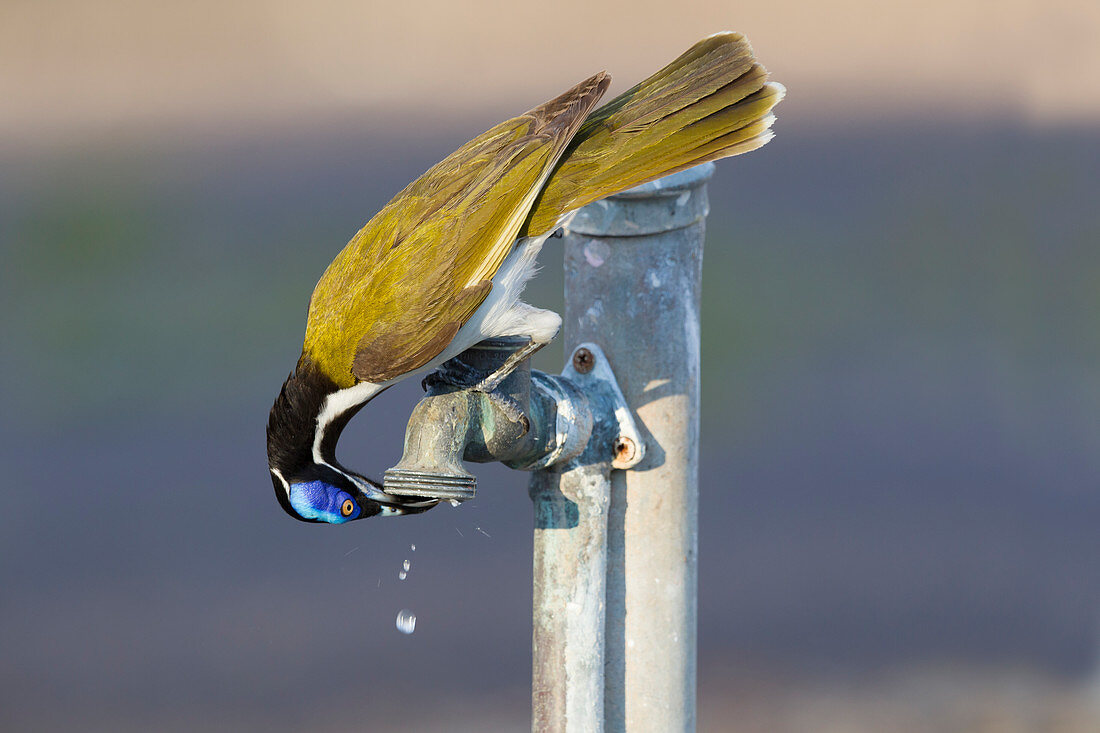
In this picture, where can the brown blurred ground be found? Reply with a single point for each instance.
(74, 68)
(923, 700)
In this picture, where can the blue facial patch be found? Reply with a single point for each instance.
(323, 502)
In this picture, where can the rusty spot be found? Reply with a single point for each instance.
(625, 449)
(583, 360)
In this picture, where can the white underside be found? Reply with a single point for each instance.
(501, 314)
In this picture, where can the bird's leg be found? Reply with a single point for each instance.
(506, 403)
(541, 326)
(493, 380)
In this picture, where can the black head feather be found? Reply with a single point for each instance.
(291, 431)
(292, 424)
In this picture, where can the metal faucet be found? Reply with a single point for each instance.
(531, 421)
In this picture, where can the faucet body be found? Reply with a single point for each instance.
(530, 421)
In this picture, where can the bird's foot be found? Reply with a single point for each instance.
(457, 374)
(509, 407)
(454, 374)
(491, 381)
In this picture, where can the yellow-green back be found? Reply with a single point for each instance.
(401, 288)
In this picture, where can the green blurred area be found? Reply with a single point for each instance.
(135, 284)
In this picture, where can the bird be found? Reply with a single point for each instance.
(443, 265)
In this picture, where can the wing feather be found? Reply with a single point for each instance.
(394, 297)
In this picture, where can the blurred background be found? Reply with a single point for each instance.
(901, 341)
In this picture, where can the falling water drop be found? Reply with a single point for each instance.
(412, 547)
(402, 575)
(406, 621)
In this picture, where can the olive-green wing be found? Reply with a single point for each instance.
(399, 291)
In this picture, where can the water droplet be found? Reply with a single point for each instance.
(406, 565)
(402, 575)
(412, 547)
(479, 529)
(454, 502)
(406, 621)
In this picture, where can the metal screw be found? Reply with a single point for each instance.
(583, 360)
(625, 450)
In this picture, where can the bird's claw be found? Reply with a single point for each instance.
(455, 374)
(510, 407)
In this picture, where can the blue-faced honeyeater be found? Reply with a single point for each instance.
(443, 265)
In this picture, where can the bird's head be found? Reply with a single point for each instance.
(322, 494)
(302, 431)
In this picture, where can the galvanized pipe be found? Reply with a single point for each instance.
(633, 266)
(570, 559)
(570, 562)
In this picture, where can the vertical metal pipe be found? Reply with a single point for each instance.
(633, 265)
(570, 568)
(570, 562)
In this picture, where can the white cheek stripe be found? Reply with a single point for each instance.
(286, 485)
(335, 405)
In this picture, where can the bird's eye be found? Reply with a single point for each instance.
(347, 507)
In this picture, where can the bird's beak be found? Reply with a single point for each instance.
(399, 505)
(372, 497)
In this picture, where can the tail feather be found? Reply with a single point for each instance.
(749, 138)
(705, 69)
(712, 102)
(679, 135)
